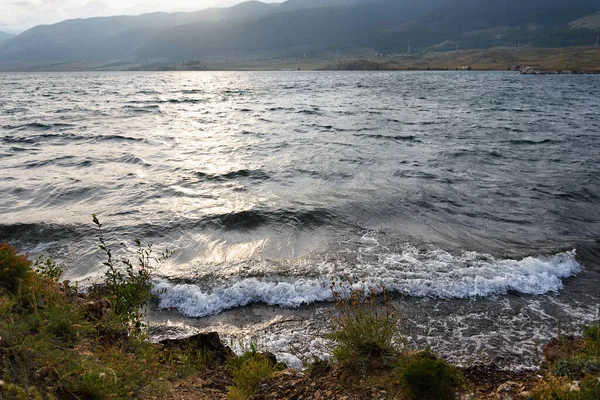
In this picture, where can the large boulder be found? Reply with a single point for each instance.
(208, 342)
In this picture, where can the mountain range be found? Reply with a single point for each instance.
(313, 28)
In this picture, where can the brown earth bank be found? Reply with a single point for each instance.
(527, 60)
(381, 380)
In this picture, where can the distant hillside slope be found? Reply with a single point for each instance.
(489, 23)
(291, 5)
(313, 27)
(5, 36)
(313, 30)
(386, 26)
(111, 37)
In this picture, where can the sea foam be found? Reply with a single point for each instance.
(430, 273)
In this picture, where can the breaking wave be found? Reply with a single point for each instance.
(412, 272)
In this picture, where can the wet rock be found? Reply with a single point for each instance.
(210, 342)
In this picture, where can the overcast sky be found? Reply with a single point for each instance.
(19, 15)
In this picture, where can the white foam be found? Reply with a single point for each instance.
(191, 301)
(413, 272)
(290, 360)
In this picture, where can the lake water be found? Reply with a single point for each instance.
(475, 196)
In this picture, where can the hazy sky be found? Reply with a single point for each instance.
(19, 15)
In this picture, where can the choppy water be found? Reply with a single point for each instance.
(477, 195)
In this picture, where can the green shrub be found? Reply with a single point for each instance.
(12, 391)
(14, 268)
(427, 378)
(575, 368)
(592, 333)
(130, 288)
(53, 341)
(590, 387)
(66, 324)
(252, 372)
(249, 351)
(363, 328)
(47, 267)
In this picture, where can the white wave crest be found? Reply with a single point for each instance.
(432, 273)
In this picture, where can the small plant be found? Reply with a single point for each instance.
(592, 338)
(187, 361)
(428, 378)
(592, 333)
(130, 288)
(255, 369)
(46, 266)
(14, 268)
(363, 327)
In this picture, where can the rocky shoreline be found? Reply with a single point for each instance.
(325, 381)
(539, 71)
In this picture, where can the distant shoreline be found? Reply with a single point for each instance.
(576, 60)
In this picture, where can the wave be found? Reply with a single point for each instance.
(242, 173)
(131, 159)
(400, 138)
(15, 139)
(118, 138)
(532, 142)
(37, 126)
(432, 273)
(251, 219)
(153, 108)
(182, 101)
(241, 221)
(314, 111)
(51, 161)
(68, 138)
(41, 232)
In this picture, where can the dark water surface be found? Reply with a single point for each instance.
(475, 195)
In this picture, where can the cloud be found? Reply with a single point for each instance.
(26, 5)
(22, 14)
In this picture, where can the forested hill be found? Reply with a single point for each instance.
(309, 27)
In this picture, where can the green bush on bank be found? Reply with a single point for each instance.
(363, 328)
(428, 378)
(51, 346)
(14, 269)
(249, 372)
(58, 343)
(575, 375)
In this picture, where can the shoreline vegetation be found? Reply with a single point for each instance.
(59, 343)
(579, 59)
